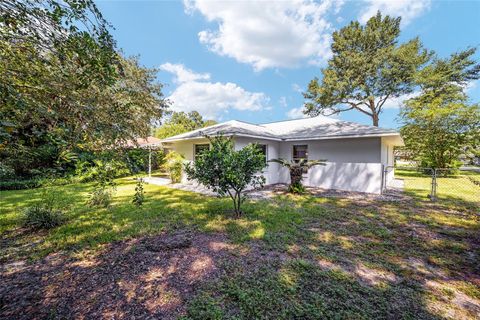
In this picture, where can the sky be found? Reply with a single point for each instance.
(251, 61)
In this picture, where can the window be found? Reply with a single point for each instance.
(263, 149)
(199, 149)
(300, 152)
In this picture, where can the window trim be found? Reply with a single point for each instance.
(305, 170)
(293, 151)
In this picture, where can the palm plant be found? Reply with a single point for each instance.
(297, 168)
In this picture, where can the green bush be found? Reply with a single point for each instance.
(297, 188)
(91, 171)
(6, 172)
(174, 166)
(101, 197)
(19, 184)
(42, 217)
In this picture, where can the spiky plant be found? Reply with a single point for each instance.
(297, 168)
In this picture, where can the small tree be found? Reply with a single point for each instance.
(228, 171)
(139, 195)
(297, 168)
(439, 124)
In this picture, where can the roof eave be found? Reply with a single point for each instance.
(230, 134)
(344, 136)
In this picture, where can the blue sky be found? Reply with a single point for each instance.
(251, 61)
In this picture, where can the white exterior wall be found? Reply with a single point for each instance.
(353, 164)
(364, 150)
(271, 172)
(185, 148)
(362, 177)
(387, 159)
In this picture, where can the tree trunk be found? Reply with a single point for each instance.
(296, 176)
(375, 119)
(374, 112)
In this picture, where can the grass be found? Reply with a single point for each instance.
(332, 257)
(459, 187)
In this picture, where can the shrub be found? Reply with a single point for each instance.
(139, 195)
(42, 217)
(296, 188)
(227, 171)
(19, 184)
(91, 171)
(101, 197)
(297, 168)
(6, 172)
(174, 166)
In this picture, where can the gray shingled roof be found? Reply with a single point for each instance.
(310, 128)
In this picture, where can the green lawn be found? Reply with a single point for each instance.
(454, 188)
(292, 256)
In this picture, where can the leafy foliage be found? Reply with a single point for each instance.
(228, 171)
(104, 186)
(64, 88)
(46, 213)
(297, 169)
(439, 125)
(41, 217)
(181, 122)
(174, 166)
(367, 69)
(139, 195)
(19, 184)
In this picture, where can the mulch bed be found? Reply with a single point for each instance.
(270, 191)
(146, 278)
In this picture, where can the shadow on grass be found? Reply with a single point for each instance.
(205, 278)
(291, 255)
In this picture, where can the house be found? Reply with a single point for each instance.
(356, 154)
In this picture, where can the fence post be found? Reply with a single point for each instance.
(433, 193)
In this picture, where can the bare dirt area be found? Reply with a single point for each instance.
(147, 278)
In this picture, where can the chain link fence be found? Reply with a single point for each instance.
(435, 184)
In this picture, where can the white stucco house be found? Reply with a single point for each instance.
(356, 154)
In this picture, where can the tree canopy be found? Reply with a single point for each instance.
(439, 125)
(180, 122)
(64, 86)
(367, 69)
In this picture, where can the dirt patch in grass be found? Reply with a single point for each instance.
(150, 277)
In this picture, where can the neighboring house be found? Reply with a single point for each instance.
(356, 154)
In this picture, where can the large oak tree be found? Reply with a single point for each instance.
(368, 68)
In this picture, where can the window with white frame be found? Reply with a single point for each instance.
(300, 151)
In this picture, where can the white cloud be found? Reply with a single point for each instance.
(296, 113)
(182, 74)
(297, 88)
(395, 103)
(268, 34)
(283, 102)
(211, 99)
(407, 9)
(471, 85)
